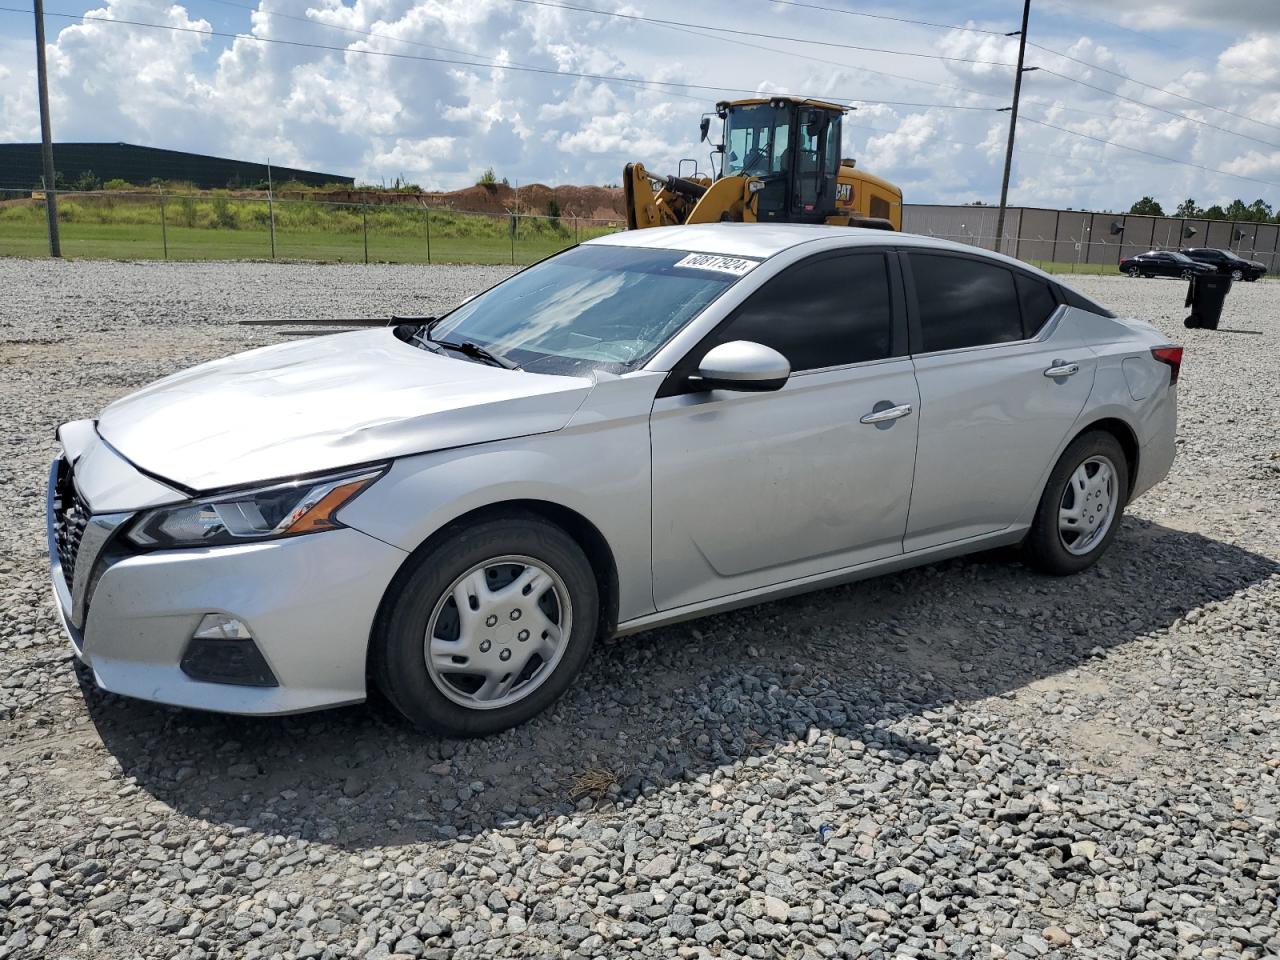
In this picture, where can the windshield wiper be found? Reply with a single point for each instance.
(468, 348)
(472, 349)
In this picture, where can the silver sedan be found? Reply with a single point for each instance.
(645, 428)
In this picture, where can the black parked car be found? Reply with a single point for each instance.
(1224, 261)
(1164, 263)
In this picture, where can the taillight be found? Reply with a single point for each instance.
(1170, 356)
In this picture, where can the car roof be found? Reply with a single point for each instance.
(764, 240)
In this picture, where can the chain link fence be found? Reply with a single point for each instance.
(1075, 241)
(138, 224)
(147, 225)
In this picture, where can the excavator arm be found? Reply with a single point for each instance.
(657, 201)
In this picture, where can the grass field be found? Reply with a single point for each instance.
(217, 228)
(1049, 266)
(213, 226)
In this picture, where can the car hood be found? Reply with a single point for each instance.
(325, 403)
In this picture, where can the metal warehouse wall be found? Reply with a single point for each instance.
(1074, 236)
(20, 166)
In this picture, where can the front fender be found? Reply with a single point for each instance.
(598, 469)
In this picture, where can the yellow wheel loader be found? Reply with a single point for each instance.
(779, 163)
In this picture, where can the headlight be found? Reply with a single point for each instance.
(283, 510)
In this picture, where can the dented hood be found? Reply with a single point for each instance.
(326, 403)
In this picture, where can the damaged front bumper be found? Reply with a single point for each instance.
(132, 617)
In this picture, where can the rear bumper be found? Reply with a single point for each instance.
(308, 601)
(1158, 442)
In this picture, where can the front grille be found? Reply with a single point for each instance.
(70, 517)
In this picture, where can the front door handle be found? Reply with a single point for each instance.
(888, 413)
(1062, 368)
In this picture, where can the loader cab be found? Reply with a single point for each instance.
(793, 147)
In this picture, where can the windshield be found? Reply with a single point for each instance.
(756, 140)
(592, 307)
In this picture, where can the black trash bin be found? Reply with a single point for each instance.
(1205, 296)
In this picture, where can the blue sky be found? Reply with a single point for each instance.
(349, 110)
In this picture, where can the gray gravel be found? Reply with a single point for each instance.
(961, 760)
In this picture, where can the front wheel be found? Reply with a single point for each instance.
(1237, 275)
(488, 628)
(1081, 506)
(1187, 274)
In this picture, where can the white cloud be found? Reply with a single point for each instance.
(1254, 61)
(354, 109)
(1165, 15)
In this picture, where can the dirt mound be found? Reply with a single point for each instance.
(604, 203)
(588, 203)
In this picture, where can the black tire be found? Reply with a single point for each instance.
(1134, 272)
(1043, 547)
(1237, 275)
(398, 664)
(1187, 275)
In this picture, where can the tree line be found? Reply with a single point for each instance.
(1257, 212)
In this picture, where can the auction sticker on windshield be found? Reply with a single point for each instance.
(738, 266)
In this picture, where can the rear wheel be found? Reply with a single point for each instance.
(1133, 272)
(488, 628)
(1081, 507)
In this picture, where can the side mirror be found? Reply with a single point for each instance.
(743, 365)
(705, 127)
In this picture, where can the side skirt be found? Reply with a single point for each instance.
(820, 581)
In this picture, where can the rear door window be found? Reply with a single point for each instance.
(964, 302)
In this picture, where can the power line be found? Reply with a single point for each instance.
(832, 63)
(1038, 46)
(1149, 86)
(884, 16)
(1148, 153)
(858, 125)
(364, 33)
(555, 4)
(1152, 106)
(1054, 105)
(603, 78)
(750, 33)
(493, 61)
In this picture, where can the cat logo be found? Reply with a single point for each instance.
(844, 193)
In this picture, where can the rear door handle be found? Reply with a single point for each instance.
(889, 413)
(1061, 368)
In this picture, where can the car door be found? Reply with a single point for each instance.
(1210, 258)
(986, 341)
(756, 489)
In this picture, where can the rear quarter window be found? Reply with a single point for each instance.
(1037, 300)
(1074, 299)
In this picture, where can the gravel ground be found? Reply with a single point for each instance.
(960, 760)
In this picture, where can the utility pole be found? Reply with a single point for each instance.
(46, 137)
(1013, 122)
(271, 209)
